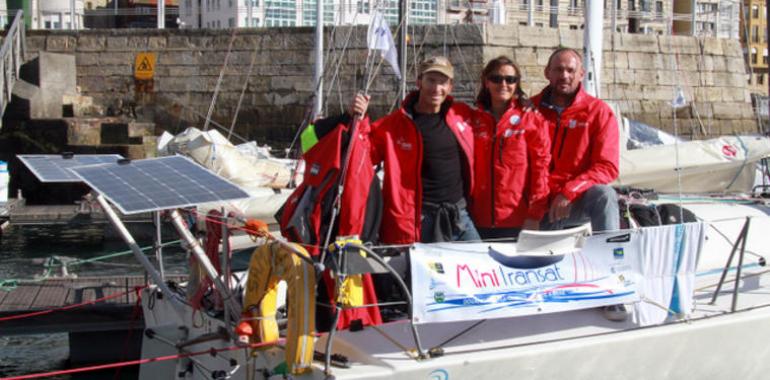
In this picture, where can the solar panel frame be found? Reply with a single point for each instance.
(54, 168)
(158, 184)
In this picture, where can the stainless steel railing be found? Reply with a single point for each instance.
(11, 58)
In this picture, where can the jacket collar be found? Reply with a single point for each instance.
(580, 97)
(407, 105)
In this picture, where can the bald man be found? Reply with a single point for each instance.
(584, 148)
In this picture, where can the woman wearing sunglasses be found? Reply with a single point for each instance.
(511, 156)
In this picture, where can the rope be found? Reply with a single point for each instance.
(243, 92)
(140, 361)
(219, 82)
(11, 284)
(69, 307)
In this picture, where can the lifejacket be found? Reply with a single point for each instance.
(305, 215)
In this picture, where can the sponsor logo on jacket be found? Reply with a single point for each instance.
(403, 144)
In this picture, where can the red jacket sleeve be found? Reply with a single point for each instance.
(539, 157)
(357, 181)
(605, 153)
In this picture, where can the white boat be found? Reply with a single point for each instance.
(726, 338)
(701, 315)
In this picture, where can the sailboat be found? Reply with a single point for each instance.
(698, 293)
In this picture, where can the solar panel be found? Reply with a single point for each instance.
(55, 167)
(157, 184)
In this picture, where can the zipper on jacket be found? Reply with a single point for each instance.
(555, 136)
(492, 174)
(563, 138)
(418, 176)
(500, 151)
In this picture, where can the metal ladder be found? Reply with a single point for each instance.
(11, 56)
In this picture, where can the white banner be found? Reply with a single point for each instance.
(455, 282)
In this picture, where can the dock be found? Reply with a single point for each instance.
(17, 212)
(54, 294)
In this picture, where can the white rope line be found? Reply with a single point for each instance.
(243, 92)
(219, 81)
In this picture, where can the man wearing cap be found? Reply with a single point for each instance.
(426, 147)
(584, 148)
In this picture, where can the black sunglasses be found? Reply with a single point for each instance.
(497, 79)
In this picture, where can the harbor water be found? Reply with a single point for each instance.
(23, 253)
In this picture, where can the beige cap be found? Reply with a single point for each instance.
(437, 64)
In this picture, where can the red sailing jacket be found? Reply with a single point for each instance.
(323, 163)
(511, 167)
(585, 146)
(396, 141)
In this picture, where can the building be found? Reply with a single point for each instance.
(718, 18)
(269, 13)
(627, 16)
(129, 13)
(754, 23)
(48, 14)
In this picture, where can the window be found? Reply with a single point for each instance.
(284, 12)
(761, 79)
(573, 7)
(631, 5)
(230, 3)
(645, 5)
(231, 22)
(524, 5)
(755, 33)
(755, 11)
(362, 6)
(659, 8)
(753, 55)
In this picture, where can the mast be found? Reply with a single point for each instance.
(592, 53)
(319, 58)
(161, 14)
(404, 22)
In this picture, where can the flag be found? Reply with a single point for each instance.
(379, 38)
(679, 98)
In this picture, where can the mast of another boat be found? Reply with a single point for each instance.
(592, 50)
(404, 22)
(319, 58)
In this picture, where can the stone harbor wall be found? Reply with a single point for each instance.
(641, 73)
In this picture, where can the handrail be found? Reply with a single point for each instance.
(12, 54)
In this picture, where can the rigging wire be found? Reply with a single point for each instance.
(219, 81)
(243, 92)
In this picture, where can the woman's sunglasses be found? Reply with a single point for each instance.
(509, 79)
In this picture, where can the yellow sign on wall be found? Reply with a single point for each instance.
(144, 66)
